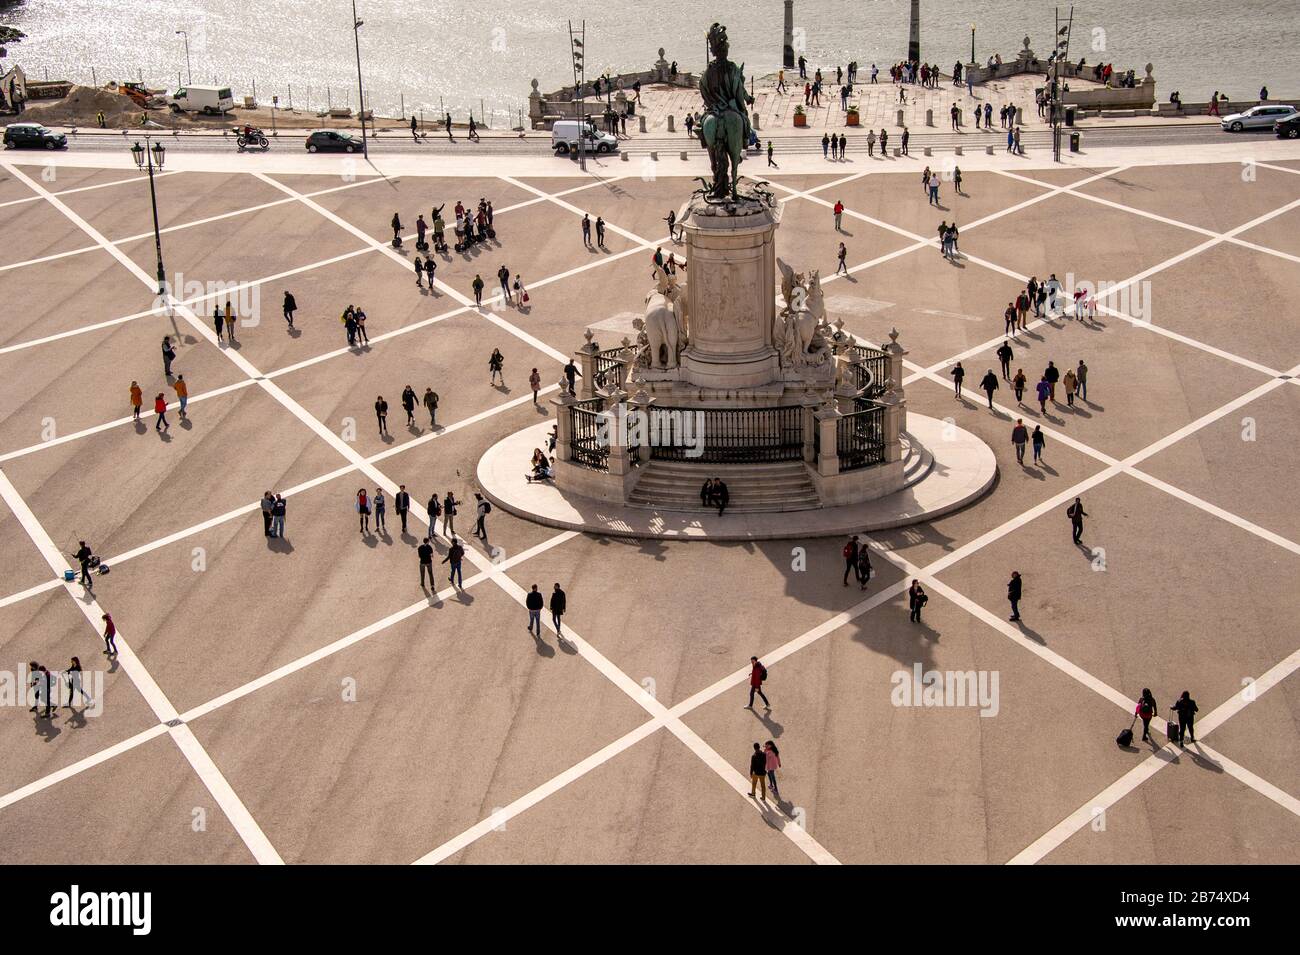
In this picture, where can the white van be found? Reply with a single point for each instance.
(211, 100)
(564, 138)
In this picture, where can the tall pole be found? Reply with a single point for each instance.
(914, 35)
(189, 73)
(787, 52)
(578, 55)
(361, 96)
(972, 43)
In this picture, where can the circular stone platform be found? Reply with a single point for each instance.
(963, 470)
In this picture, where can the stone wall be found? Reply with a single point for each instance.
(545, 108)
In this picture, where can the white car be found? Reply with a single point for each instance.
(1258, 117)
(565, 133)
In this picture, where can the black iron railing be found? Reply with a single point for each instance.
(589, 441)
(867, 369)
(729, 435)
(609, 368)
(860, 436)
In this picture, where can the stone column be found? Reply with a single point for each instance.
(787, 53)
(615, 410)
(894, 367)
(809, 429)
(586, 356)
(535, 108)
(914, 33)
(640, 403)
(563, 422)
(828, 419)
(894, 424)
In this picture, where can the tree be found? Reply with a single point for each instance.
(11, 35)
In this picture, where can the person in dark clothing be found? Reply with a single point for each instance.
(706, 493)
(1019, 438)
(455, 554)
(1005, 354)
(916, 600)
(290, 306)
(990, 384)
(1014, 591)
(168, 355)
(570, 374)
(431, 405)
(40, 681)
(757, 675)
(1076, 514)
(425, 552)
(559, 604)
(381, 415)
(721, 496)
(408, 405)
(1146, 709)
(402, 504)
(535, 602)
(850, 553)
(1186, 709)
(958, 373)
(758, 772)
(82, 557)
(864, 565)
(1051, 375)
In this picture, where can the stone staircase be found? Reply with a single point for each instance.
(753, 488)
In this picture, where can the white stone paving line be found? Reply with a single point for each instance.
(91, 188)
(879, 598)
(588, 653)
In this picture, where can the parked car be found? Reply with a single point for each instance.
(209, 100)
(33, 136)
(1288, 128)
(331, 140)
(1259, 117)
(564, 138)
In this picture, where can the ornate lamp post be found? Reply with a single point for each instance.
(147, 158)
(189, 73)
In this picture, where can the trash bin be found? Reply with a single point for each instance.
(1074, 141)
(1069, 116)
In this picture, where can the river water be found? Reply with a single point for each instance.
(428, 55)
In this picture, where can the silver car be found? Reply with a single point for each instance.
(1258, 117)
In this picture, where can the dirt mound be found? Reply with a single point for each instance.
(81, 106)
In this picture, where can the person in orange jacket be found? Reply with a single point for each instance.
(137, 399)
(183, 393)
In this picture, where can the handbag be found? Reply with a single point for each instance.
(525, 297)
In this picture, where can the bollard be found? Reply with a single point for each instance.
(623, 153)
(929, 117)
(900, 117)
(755, 122)
(957, 150)
(988, 150)
(897, 152)
(671, 128)
(1020, 116)
(683, 155)
(642, 118)
(927, 152)
(654, 155)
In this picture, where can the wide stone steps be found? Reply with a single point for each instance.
(753, 488)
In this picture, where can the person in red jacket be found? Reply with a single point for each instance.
(110, 635)
(757, 674)
(160, 409)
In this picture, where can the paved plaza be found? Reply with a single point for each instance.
(300, 699)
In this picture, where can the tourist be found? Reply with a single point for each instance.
(40, 683)
(1145, 710)
(772, 758)
(758, 773)
(1043, 390)
(943, 238)
(381, 415)
(916, 601)
(182, 394)
(268, 507)
(850, 553)
(503, 276)
(1186, 709)
(218, 322)
(1005, 354)
(73, 679)
(826, 144)
(958, 373)
(757, 677)
(168, 355)
(1051, 375)
(559, 604)
(521, 293)
(770, 161)
(842, 266)
(925, 181)
(231, 321)
(473, 129)
(349, 320)
(1014, 591)
(455, 554)
(277, 516)
(884, 142)
(290, 306)
(496, 365)
(402, 504)
(934, 191)
(477, 286)
(864, 566)
(160, 409)
(907, 135)
(482, 509)
(721, 495)
(535, 383)
(956, 180)
(1071, 385)
(535, 602)
(871, 143)
(425, 554)
(600, 232)
(110, 635)
(430, 402)
(446, 124)
(362, 337)
(449, 504)
(838, 209)
(1018, 383)
(1081, 380)
(419, 272)
(990, 384)
(570, 376)
(137, 399)
(1019, 438)
(1076, 514)
(586, 230)
(408, 405)
(1038, 440)
(380, 505)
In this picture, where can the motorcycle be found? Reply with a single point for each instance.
(252, 139)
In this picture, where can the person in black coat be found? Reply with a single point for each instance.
(990, 384)
(559, 604)
(721, 496)
(1186, 709)
(1013, 594)
(402, 504)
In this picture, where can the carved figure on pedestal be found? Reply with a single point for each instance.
(666, 321)
(799, 336)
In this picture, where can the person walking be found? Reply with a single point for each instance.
(431, 405)
(990, 384)
(864, 566)
(231, 321)
(408, 405)
(278, 509)
(1071, 385)
(586, 230)
(1014, 592)
(496, 365)
(363, 511)
(916, 601)
(841, 264)
(290, 306)
(381, 415)
(137, 399)
(559, 604)
(1018, 383)
(757, 677)
(772, 758)
(503, 276)
(1038, 440)
(110, 635)
(446, 124)
(402, 504)
(1005, 354)
(570, 376)
(455, 555)
(381, 509)
(40, 681)
(535, 602)
(758, 773)
(1145, 710)
(1051, 375)
(268, 507)
(72, 677)
(535, 383)
(477, 286)
(600, 232)
(1019, 438)
(160, 409)
(958, 373)
(425, 553)
(482, 509)
(1186, 709)
(168, 355)
(850, 554)
(1043, 390)
(1081, 380)
(449, 515)
(1076, 514)
(839, 214)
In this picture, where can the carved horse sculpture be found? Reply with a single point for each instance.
(665, 321)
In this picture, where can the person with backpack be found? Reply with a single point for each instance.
(1076, 514)
(850, 554)
(757, 677)
(1146, 710)
(1018, 383)
(483, 509)
(1186, 709)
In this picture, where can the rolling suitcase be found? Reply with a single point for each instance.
(1125, 737)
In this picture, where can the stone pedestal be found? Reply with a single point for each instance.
(731, 269)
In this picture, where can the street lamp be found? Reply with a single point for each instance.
(577, 47)
(361, 95)
(972, 43)
(189, 73)
(146, 158)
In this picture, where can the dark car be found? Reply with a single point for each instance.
(33, 136)
(330, 140)
(1288, 128)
